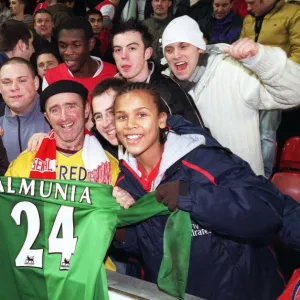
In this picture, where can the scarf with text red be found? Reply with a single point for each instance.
(94, 157)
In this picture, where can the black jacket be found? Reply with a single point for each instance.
(233, 214)
(198, 11)
(179, 102)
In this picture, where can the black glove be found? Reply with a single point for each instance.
(167, 193)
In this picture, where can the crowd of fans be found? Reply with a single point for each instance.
(185, 98)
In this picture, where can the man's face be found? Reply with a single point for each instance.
(18, 87)
(259, 7)
(66, 113)
(221, 8)
(43, 25)
(182, 58)
(45, 62)
(161, 7)
(16, 7)
(73, 48)
(130, 55)
(96, 22)
(104, 116)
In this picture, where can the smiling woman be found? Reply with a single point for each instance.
(229, 206)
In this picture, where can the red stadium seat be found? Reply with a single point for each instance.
(288, 183)
(290, 156)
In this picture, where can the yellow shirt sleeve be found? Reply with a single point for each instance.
(21, 166)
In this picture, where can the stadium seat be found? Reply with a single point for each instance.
(290, 156)
(288, 183)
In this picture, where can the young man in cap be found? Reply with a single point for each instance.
(69, 151)
(230, 85)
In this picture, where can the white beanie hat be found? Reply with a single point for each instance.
(183, 30)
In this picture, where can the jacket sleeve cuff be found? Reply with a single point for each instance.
(251, 61)
(266, 61)
(184, 199)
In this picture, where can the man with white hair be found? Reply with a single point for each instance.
(230, 84)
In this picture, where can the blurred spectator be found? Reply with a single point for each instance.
(4, 11)
(15, 41)
(17, 8)
(196, 9)
(41, 4)
(95, 18)
(274, 23)
(156, 25)
(3, 159)
(43, 35)
(132, 51)
(259, 26)
(22, 117)
(239, 7)
(45, 60)
(108, 11)
(43, 24)
(75, 41)
(59, 12)
(223, 26)
(139, 10)
(231, 84)
(69, 4)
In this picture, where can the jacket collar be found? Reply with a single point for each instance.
(29, 114)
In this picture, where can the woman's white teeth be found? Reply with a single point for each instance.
(180, 63)
(133, 136)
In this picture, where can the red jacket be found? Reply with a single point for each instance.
(240, 8)
(61, 72)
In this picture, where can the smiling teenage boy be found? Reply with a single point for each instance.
(132, 52)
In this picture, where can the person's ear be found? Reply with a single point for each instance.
(163, 120)
(87, 110)
(46, 116)
(92, 43)
(148, 53)
(170, 3)
(36, 83)
(21, 45)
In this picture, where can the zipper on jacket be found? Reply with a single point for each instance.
(19, 134)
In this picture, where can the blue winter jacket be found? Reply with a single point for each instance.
(233, 212)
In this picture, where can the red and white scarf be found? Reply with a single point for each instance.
(94, 158)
